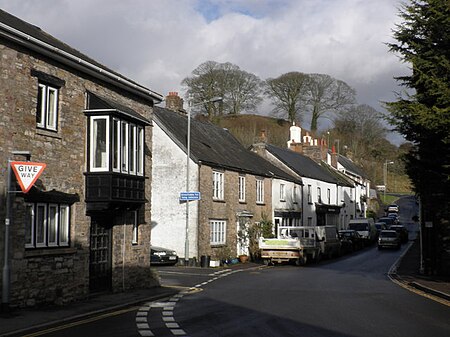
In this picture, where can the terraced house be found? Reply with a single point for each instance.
(84, 227)
(237, 187)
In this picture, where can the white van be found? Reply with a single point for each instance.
(365, 227)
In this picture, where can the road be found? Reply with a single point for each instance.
(349, 296)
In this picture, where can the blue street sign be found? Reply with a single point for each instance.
(189, 196)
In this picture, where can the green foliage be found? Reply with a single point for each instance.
(423, 117)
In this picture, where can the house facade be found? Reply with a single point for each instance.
(235, 186)
(328, 196)
(84, 227)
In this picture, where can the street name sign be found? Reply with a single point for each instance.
(27, 173)
(186, 196)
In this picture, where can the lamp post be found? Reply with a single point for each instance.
(385, 171)
(188, 155)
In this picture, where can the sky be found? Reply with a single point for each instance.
(158, 43)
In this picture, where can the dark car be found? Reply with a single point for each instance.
(389, 239)
(394, 216)
(350, 240)
(402, 231)
(388, 221)
(380, 226)
(162, 256)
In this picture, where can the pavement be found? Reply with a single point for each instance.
(21, 322)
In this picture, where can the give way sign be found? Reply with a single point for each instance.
(27, 173)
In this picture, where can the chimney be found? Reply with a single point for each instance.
(334, 157)
(174, 102)
(263, 136)
(295, 141)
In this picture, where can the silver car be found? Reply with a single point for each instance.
(389, 239)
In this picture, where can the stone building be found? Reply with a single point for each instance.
(84, 227)
(235, 186)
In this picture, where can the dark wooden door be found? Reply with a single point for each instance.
(100, 256)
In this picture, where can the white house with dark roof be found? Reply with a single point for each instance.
(235, 186)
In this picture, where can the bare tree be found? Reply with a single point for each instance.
(361, 129)
(240, 90)
(325, 95)
(286, 93)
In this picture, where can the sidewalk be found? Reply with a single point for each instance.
(408, 273)
(22, 321)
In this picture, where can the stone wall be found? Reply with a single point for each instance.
(61, 275)
(228, 209)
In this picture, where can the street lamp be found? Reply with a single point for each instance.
(385, 171)
(188, 155)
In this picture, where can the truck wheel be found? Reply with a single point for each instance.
(267, 262)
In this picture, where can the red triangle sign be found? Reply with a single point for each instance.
(27, 173)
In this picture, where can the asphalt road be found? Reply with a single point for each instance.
(349, 296)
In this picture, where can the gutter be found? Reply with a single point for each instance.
(77, 63)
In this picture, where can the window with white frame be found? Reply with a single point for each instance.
(218, 184)
(99, 143)
(217, 232)
(294, 194)
(319, 195)
(329, 196)
(47, 225)
(241, 188)
(309, 194)
(126, 144)
(47, 108)
(282, 192)
(125, 149)
(140, 151)
(133, 149)
(116, 145)
(259, 191)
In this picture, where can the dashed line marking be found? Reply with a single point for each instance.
(168, 307)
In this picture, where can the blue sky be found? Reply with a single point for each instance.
(160, 42)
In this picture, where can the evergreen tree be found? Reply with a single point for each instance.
(423, 116)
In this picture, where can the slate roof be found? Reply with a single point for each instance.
(215, 146)
(96, 102)
(351, 166)
(305, 166)
(11, 26)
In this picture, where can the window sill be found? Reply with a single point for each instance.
(37, 252)
(260, 203)
(219, 200)
(48, 133)
(242, 202)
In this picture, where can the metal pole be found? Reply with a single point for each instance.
(8, 220)
(384, 180)
(188, 154)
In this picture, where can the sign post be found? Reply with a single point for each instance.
(26, 173)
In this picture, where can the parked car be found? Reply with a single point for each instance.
(161, 256)
(366, 228)
(380, 226)
(388, 221)
(350, 240)
(393, 208)
(402, 232)
(389, 239)
(393, 215)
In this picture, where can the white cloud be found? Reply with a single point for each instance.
(158, 43)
